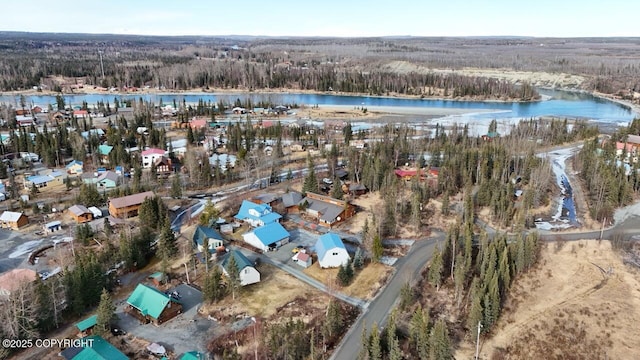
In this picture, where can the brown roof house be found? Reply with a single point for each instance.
(80, 213)
(148, 304)
(327, 210)
(12, 280)
(127, 206)
(13, 220)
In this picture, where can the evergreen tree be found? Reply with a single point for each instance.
(335, 321)
(233, 275)
(377, 248)
(345, 274)
(310, 183)
(419, 332)
(375, 347)
(393, 344)
(358, 259)
(213, 291)
(439, 343)
(167, 246)
(337, 192)
(106, 313)
(435, 269)
(209, 214)
(44, 305)
(191, 139)
(108, 229)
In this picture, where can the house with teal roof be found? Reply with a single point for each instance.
(257, 214)
(247, 272)
(211, 235)
(268, 237)
(192, 355)
(104, 151)
(93, 348)
(148, 304)
(86, 326)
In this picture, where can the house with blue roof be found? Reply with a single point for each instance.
(75, 167)
(213, 237)
(247, 272)
(93, 132)
(331, 251)
(268, 237)
(257, 214)
(104, 151)
(53, 177)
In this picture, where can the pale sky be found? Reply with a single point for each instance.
(346, 18)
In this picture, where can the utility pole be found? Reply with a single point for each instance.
(186, 270)
(602, 228)
(478, 339)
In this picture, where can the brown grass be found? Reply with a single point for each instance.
(365, 284)
(567, 309)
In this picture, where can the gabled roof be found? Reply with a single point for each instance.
(104, 149)
(203, 232)
(153, 151)
(633, 139)
(108, 175)
(302, 256)
(192, 355)
(267, 215)
(241, 260)
(86, 134)
(266, 198)
(271, 233)
(149, 301)
(10, 216)
(130, 200)
(328, 242)
(328, 212)
(100, 349)
(74, 162)
(87, 323)
(292, 198)
(79, 210)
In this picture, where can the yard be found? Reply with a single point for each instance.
(365, 284)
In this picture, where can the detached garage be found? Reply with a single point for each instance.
(268, 237)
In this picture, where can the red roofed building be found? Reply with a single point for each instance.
(80, 113)
(407, 174)
(150, 156)
(198, 123)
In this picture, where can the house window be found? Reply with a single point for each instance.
(246, 271)
(335, 254)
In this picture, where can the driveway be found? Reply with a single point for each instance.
(186, 332)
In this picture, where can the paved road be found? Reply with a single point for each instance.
(407, 269)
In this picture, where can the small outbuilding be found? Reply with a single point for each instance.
(303, 259)
(85, 327)
(52, 226)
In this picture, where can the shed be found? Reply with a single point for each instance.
(86, 326)
(303, 259)
(53, 226)
(157, 278)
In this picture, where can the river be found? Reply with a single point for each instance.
(560, 103)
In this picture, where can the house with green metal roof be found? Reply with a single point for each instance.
(86, 326)
(192, 355)
(104, 151)
(93, 348)
(213, 237)
(248, 273)
(148, 304)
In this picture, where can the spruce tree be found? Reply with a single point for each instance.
(375, 347)
(377, 248)
(233, 275)
(419, 332)
(176, 187)
(310, 183)
(435, 269)
(167, 243)
(439, 344)
(106, 313)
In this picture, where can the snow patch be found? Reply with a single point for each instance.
(25, 248)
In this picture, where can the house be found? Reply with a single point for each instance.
(80, 214)
(148, 304)
(99, 133)
(198, 123)
(103, 152)
(192, 355)
(127, 206)
(267, 237)
(86, 326)
(93, 347)
(163, 166)
(75, 167)
(11, 281)
(303, 259)
(81, 113)
(13, 220)
(256, 214)
(331, 251)
(268, 198)
(490, 136)
(107, 180)
(52, 226)
(213, 237)
(409, 173)
(224, 160)
(150, 156)
(247, 272)
(325, 209)
(356, 189)
(52, 178)
(291, 200)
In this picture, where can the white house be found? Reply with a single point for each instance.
(248, 274)
(150, 156)
(257, 214)
(214, 239)
(331, 251)
(268, 237)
